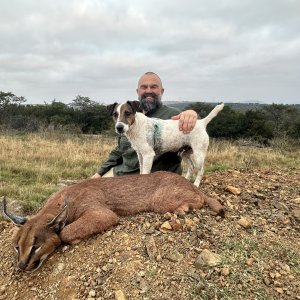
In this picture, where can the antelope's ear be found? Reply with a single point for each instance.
(110, 108)
(17, 220)
(135, 105)
(59, 221)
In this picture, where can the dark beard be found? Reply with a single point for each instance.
(150, 107)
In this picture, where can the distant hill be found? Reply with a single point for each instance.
(181, 105)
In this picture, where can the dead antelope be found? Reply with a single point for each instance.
(93, 205)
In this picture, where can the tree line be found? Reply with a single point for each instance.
(84, 115)
(268, 122)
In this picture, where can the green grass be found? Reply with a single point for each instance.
(217, 167)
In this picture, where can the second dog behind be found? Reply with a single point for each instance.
(151, 136)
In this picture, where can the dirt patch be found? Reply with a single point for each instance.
(253, 253)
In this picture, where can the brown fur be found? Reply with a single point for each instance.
(104, 200)
(96, 204)
(127, 115)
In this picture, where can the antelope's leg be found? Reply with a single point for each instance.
(91, 222)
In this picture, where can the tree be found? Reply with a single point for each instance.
(92, 116)
(7, 98)
(228, 123)
(256, 126)
(83, 102)
(282, 118)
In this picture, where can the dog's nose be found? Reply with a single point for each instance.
(119, 128)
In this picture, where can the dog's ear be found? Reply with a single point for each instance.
(135, 105)
(110, 108)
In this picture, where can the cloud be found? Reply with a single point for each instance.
(231, 49)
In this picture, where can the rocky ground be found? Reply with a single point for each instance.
(252, 253)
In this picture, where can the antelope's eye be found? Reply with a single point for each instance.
(127, 113)
(115, 114)
(16, 248)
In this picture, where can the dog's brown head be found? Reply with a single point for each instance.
(123, 115)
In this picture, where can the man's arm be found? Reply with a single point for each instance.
(114, 159)
(187, 120)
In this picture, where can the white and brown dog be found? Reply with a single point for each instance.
(151, 136)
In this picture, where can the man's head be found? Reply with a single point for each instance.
(149, 91)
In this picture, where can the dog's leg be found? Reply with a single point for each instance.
(186, 157)
(147, 163)
(140, 158)
(199, 165)
(91, 222)
(199, 177)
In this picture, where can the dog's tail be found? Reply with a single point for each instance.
(212, 114)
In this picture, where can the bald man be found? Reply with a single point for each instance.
(123, 159)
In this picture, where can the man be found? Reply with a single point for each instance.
(123, 159)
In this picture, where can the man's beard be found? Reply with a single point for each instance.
(150, 106)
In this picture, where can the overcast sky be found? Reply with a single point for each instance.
(230, 50)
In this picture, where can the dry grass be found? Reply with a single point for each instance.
(227, 154)
(33, 164)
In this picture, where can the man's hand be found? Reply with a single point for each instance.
(187, 120)
(96, 175)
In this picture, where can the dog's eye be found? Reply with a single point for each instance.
(128, 113)
(115, 114)
(17, 248)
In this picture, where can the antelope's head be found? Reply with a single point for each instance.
(36, 237)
